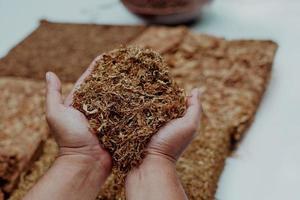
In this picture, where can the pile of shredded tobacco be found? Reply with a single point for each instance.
(127, 97)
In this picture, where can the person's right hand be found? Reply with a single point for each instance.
(172, 139)
(156, 178)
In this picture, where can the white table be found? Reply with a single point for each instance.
(267, 164)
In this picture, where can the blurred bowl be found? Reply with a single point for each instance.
(166, 11)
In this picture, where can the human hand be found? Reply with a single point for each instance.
(172, 139)
(156, 177)
(70, 127)
(82, 165)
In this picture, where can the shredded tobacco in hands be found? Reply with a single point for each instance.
(128, 96)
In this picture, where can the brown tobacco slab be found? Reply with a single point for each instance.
(63, 48)
(153, 37)
(127, 97)
(232, 74)
(37, 170)
(22, 128)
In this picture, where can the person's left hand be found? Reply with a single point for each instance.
(70, 127)
(82, 165)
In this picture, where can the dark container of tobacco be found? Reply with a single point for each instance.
(170, 12)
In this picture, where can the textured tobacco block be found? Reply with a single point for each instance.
(127, 97)
(153, 37)
(233, 76)
(64, 48)
(200, 166)
(22, 128)
(38, 168)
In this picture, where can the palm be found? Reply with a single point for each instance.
(174, 137)
(75, 127)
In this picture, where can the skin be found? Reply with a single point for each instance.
(82, 165)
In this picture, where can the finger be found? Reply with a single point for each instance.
(193, 112)
(69, 98)
(53, 94)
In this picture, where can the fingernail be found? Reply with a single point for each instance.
(199, 92)
(48, 77)
(196, 92)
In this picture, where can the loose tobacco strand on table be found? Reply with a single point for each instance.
(128, 96)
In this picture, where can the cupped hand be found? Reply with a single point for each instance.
(172, 139)
(70, 127)
(156, 177)
(82, 166)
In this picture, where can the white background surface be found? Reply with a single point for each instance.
(267, 163)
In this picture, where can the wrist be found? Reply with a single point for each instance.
(72, 176)
(88, 157)
(152, 164)
(158, 160)
(155, 178)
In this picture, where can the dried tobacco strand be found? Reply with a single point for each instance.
(128, 96)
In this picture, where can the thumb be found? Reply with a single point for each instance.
(193, 112)
(53, 94)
